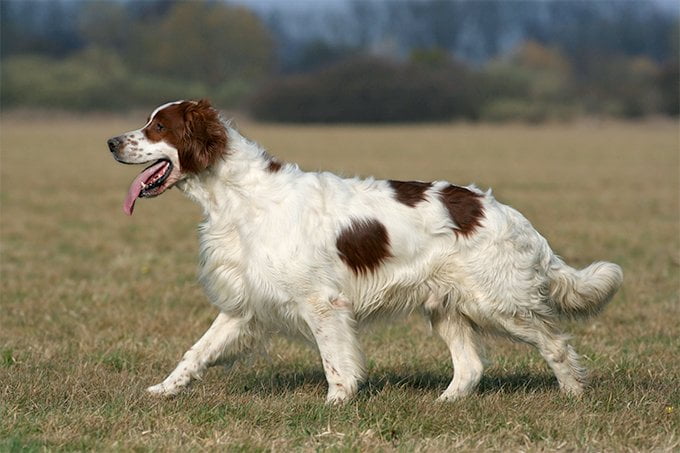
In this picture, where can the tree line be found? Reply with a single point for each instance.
(118, 55)
(377, 61)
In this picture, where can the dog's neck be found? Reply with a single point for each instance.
(242, 177)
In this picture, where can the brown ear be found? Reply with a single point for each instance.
(204, 140)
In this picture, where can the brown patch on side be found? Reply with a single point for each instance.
(274, 165)
(409, 192)
(363, 245)
(464, 207)
(194, 129)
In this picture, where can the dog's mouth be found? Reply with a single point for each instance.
(149, 183)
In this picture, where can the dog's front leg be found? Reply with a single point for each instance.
(333, 325)
(224, 340)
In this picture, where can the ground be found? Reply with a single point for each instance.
(96, 306)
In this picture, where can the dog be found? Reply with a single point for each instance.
(314, 254)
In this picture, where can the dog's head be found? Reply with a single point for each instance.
(181, 138)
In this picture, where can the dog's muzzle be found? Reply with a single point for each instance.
(114, 143)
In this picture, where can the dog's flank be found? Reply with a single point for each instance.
(312, 253)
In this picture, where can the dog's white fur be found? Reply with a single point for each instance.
(269, 262)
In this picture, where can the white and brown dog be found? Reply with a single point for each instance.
(318, 255)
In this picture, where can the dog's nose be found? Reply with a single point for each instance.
(114, 143)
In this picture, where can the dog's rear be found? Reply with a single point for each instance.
(510, 283)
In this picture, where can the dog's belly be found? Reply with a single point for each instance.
(395, 300)
(275, 301)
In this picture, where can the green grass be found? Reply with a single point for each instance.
(96, 306)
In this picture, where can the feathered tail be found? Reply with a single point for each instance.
(583, 293)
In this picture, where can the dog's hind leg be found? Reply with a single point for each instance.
(553, 346)
(223, 341)
(464, 343)
(333, 326)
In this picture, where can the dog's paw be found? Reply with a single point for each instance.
(338, 395)
(164, 390)
(575, 390)
(449, 397)
(336, 400)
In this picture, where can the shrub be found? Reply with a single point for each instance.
(514, 110)
(670, 88)
(368, 89)
(523, 110)
(74, 83)
(98, 80)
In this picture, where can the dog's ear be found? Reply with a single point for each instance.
(204, 139)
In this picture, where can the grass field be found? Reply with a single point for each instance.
(96, 306)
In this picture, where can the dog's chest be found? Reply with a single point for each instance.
(220, 267)
(242, 275)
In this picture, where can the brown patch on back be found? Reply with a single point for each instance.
(409, 193)
(274, 165)
(464, 207)
(194, 129)
(363, 245)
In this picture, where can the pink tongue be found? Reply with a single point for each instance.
(136, 186)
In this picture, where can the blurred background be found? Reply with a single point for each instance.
(346, 60)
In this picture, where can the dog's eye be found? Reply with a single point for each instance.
(160, 127)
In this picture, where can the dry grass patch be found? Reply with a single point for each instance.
(96, 306)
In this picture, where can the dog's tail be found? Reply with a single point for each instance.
(583, 293)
